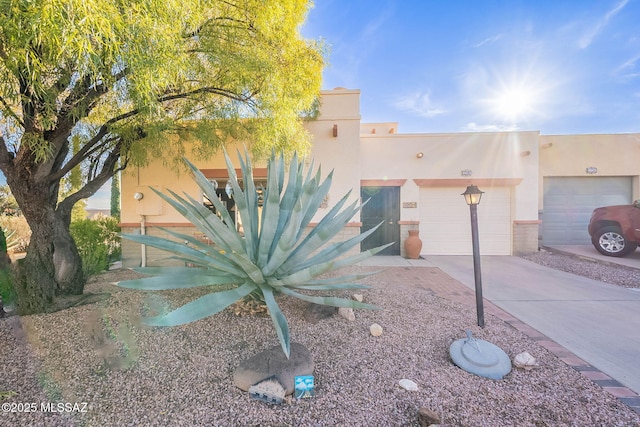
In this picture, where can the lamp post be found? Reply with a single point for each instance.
(472, 196)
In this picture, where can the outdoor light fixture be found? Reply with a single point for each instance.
(472, 196)
(591, 170)
(138, 196)
(419, 155)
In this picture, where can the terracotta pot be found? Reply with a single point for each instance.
(413, 245)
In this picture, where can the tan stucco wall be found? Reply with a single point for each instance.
(162, 177)
(486, 155)
(571, 155)
(340, 108)
(376, 151)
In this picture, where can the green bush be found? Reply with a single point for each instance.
(98, 243)
(6, 287)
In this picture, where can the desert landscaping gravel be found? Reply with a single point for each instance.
(602, 271)
(131, 375)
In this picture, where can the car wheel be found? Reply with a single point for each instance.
(609, 241)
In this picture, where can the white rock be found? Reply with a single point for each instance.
(347, 313)
(358, 297)
(376, 330)
(408, 384)
(525, 361)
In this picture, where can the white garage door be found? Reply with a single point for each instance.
(569, 201)
(445, 226)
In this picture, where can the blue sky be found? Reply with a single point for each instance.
(560, 67)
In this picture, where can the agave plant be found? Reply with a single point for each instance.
(274, 256)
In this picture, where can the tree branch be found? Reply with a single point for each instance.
(9, 110)
(86, 148)
(89, 189)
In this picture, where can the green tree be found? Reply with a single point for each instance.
(115, 196)
(134, 80)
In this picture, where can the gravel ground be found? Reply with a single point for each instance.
(609, 273)
(182, 376)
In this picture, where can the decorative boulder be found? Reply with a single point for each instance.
(273, 363)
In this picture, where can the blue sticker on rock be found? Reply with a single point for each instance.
(304, 387)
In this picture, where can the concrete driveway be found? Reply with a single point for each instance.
(598, 322)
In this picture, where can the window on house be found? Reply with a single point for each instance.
(224, 191)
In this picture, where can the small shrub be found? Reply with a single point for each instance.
(6, 287)
(98, 243)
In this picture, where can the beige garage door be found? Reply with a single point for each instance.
(445, 225)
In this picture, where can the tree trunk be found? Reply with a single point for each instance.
(52, 267)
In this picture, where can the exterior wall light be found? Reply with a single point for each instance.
(472, 196)
(420, 155)
(138, 196)
(591, 170)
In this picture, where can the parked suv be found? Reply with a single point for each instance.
(615, 230)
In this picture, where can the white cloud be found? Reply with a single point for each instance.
(419, 104)
(586, 40)
(489, 40)
(629, 68)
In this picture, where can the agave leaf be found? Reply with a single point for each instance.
(304, 276)
(177, 271)
(335, 250)
(178, 281)
(312, 241)
(209, 191)
(204, 219)
(341, 279)
(353, 259)
(286, 242)
(190, 254)
(290, 196)
(334, 287)
(278, 319)
(317, 196)
(270, 215)
(246, 204)
(202, 307)
(331, 301)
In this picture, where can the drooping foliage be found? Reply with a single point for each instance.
(130, 81)
(275, 255)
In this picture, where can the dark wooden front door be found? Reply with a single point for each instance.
(383, 206)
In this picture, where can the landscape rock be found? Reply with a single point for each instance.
(525, 361)
(268, 391)
(314, 313)
(273, 363)
(408, 385)
(376, 330)
(347, 313)
(358, 297)
(427, 417)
